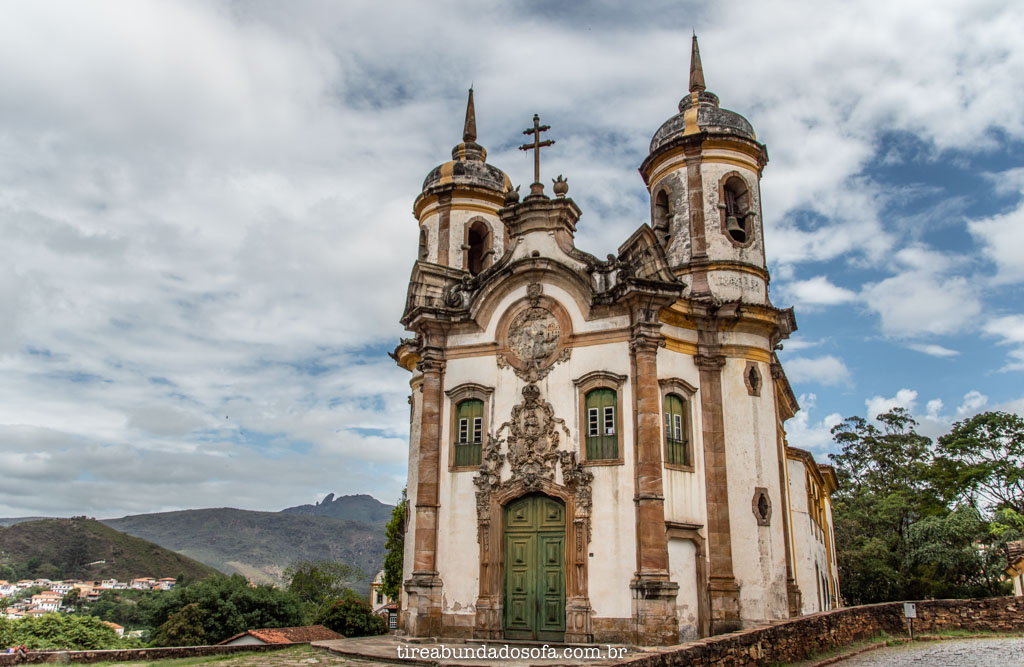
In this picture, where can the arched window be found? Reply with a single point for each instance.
(478, 247)
(676, 403)
(424, 250)
(602, 426)
(736, 205)
(676, 438)
(469, 422)
(662, 216)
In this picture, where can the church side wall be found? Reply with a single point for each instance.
(759, 560)
(810, 557)
(416, 398)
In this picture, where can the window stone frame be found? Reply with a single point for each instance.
(752, 389)
(464, 392)
(688, 393)
(584, 385)
(761, 492)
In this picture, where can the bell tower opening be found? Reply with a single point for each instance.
(736, 202)
(478, 245)
(662, 217)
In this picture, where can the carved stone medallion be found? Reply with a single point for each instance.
(533, 335)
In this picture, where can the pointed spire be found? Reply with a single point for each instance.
(469, 132)
(696, 71)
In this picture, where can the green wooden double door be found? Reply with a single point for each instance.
(535, 569)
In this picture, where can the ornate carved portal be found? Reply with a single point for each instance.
(535, 464)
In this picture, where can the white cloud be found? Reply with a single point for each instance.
(1002, 236)
(924, 298)
(973, 403)
(933, 350)
(795, 343)
(932, 422)
(904, 398)
(1011, 329)
(803, 432)
(825, 370)
(818, 291)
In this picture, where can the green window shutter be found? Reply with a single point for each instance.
(469, 419)
(602, 439)
(676, 436)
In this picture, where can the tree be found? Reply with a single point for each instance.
(956, 554)
(981, 462)
(352, 617)
(183, 628)
(230, 605)
(395, 545)
(882, 473)
(60, 631)
(320, 583)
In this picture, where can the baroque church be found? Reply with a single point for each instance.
(597, 446)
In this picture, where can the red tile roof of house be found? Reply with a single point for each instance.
(299, 635)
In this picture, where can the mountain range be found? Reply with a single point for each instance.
(83, 548)
(260, 545)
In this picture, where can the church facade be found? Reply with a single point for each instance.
(597, 451)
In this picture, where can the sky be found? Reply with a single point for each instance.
(206, 232)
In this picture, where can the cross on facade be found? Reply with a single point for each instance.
(536, 187)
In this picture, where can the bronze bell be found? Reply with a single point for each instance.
(732, 224)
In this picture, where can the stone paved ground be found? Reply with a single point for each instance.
(1002, 652)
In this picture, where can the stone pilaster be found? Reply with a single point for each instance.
(654, 595)
(423, 617)
(723, 591)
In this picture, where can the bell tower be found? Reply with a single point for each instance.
(703, 174)
(458, 207)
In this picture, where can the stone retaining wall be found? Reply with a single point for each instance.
(797, 639)
(133, 654)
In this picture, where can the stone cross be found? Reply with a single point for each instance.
(536, 188)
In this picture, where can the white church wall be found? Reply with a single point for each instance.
(682, 563)
(613, 542)
(751, 458)
(457, 551)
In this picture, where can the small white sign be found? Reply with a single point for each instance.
(909, 610)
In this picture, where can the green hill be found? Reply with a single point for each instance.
(355, 508)
(83, 548)
(260, 545)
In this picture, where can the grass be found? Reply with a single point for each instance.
(294, 652)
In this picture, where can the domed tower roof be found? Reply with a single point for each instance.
(468, 165)
(699, 112)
